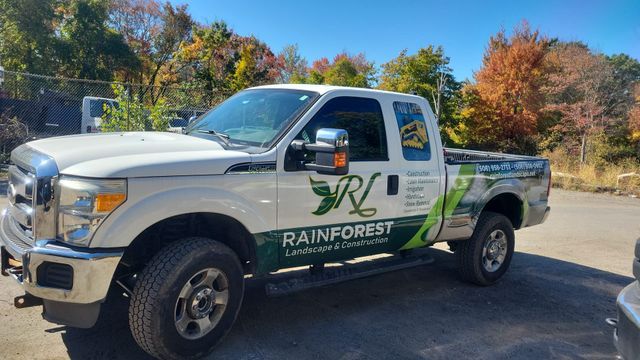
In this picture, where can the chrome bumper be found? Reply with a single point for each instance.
(92, 269)
(626, 335)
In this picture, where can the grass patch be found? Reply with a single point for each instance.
(594, 178)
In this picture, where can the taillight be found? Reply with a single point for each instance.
(549, 185)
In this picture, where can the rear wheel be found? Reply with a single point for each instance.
(186, 299)
(486, 256)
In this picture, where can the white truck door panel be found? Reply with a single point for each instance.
(323, 218)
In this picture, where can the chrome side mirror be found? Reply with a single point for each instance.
(332, 151)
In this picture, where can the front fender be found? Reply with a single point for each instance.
(252, 202)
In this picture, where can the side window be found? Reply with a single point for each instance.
(363, 120)
(96, 108)
(413, 131)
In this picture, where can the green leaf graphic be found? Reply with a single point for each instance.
(325, 205)
(320, 188)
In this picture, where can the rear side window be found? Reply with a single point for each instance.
(412, 127)
(96, 108)
(363, 120)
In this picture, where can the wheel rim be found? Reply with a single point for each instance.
(494, 250)
(201, 303)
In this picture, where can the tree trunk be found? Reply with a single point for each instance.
(583, 149)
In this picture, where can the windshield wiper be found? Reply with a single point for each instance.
(220, 135)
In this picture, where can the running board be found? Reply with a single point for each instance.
(338, 274)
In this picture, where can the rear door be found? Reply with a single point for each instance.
(421, 182)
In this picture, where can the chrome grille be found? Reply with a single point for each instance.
(30, 193)
(21, 198)
(17, 241)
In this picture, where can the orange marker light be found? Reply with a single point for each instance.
(108, 202)
(340, 159)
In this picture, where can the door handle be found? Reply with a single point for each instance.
(392, 184)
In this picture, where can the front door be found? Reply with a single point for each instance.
(324, 218)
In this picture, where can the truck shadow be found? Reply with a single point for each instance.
(543, 308)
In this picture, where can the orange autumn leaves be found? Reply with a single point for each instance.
(506, 101)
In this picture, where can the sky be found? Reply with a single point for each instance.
(381, 29)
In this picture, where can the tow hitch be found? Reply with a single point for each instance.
(13, 267)
(26, 300)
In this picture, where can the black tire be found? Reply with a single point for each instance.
(470, 252)
(152, 310)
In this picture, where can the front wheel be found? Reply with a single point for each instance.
(486, 256)
(186, 299)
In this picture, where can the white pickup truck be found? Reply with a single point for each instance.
(275, 177)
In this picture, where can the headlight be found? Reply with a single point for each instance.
(84, 203)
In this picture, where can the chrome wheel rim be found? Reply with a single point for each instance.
(201, 303)
(494, 251)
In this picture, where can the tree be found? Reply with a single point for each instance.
(208, 59)
(344, 73)
(344, 70)
(634, 118)
(155, 32)
(132, 114)
(246, 69)
(92, 50)
(225, 62)
(427, 73)
(292, 66)
(28, 39)
(580, 89)
(506, 100)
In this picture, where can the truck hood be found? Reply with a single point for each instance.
(138, 154)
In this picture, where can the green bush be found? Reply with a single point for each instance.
(134, 115)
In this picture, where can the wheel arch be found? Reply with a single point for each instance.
(507, 203)
(219, 227)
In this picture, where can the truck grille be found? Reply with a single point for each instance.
(30, 191)
(22, 199)
(18, 241)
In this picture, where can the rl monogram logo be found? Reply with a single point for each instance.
(347, 185)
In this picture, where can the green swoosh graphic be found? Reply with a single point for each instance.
(460, 187)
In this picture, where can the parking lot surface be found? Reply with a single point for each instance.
(552, 303)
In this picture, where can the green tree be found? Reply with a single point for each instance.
(133, 115)
(28, 39)
(245, 74)
(344, 73)
(426, 73)
(91, 49)
(344, 70)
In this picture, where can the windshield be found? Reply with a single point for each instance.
(254, 117)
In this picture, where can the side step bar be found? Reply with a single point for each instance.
(338, 274)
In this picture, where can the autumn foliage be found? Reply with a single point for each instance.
(531, 94)
(505, 104)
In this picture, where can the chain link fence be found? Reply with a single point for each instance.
(36, 106)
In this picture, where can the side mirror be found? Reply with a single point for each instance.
(332, 152)
(192, 119)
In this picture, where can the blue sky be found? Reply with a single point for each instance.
(380, 29)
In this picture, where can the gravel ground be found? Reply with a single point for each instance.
(552, 303)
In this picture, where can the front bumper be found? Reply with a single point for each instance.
(55, 271)
(626, 335)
